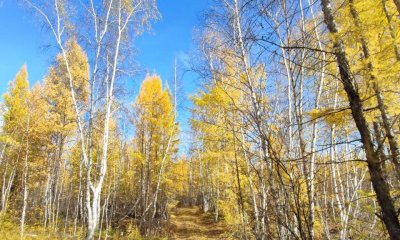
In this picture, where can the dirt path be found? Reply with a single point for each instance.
(191, 223)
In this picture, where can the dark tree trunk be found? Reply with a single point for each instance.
(379, 184)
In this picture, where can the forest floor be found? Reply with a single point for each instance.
(192, 223)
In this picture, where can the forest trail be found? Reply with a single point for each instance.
(192, 223)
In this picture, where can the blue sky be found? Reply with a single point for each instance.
(22, 41)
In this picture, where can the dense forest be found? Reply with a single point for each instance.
(295, 125)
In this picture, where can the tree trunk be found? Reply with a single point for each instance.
(380, 186)
(393, 146)
(24, 183)
(391, 29)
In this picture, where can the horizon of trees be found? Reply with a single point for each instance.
(294, 131)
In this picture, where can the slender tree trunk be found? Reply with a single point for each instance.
(217, 190)
(3, 150)
(339, 202)
(79, 206)
(391, 29)
(258, 229)
(161, 170)
(7, 187)
(24, 183)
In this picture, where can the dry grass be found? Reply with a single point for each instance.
(191, 223)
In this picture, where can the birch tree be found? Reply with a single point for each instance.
(110, 23)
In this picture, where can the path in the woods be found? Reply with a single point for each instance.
(191, 223)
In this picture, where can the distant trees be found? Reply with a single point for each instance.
(155, 144)
(42, 172)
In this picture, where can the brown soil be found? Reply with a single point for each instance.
(191, 223)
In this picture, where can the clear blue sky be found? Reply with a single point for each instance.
(22, 41)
